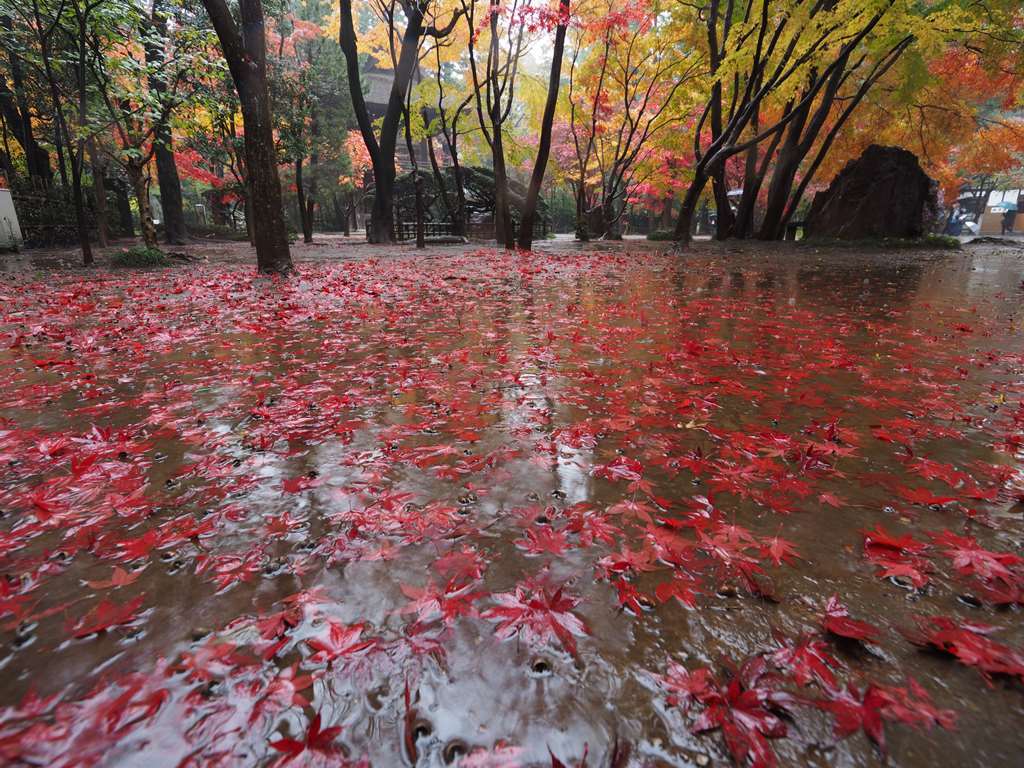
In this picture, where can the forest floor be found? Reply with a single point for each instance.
(603, 501)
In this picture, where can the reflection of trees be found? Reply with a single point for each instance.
(737, 284)
(844, 285)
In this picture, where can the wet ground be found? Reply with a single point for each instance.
(473, 508)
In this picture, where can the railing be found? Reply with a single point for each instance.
(483, 230)
(406, 230)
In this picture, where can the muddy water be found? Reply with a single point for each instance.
(441, 504)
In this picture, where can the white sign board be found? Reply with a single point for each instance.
(10, 230)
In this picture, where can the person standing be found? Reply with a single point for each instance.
(1008, 217)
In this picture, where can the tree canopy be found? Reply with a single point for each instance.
(643, 108)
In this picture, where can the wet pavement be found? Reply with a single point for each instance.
(485, 509)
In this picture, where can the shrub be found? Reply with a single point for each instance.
(661, 235)
(140, 256)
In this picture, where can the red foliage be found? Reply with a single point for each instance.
(969, 644)
(837, 621)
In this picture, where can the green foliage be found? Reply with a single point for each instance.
(140, 256)
(661, 235)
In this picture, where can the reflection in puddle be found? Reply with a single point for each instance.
(489, 509)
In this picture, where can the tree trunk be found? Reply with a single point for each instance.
(245, 51)
(308, 207)
(314, 183)
(726, 219)
(752, 183)
(380, 229)
(140, 185)
(381, 226)
(18, 118)
(305, 212)
(786, 167)
(341, 215)
(666, 213)
(218, 211)
(439, 179)
(544, 145)
(745, 214)
(78, 197)
(99, 194)
(503, 230)
(610, 219)
(175, 230)
(582, 225)
(307, 229)
(125, 223)
(684, 224)
(250, 224)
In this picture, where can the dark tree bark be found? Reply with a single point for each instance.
(300, 194)
(544, 145)
(800, 135)
(803, 134)
(442, 187)
(99, 194)
(753, 179)
(140, 184)
(417, 183)
(380, 228)
(749, 89)
(309, 208)
(43, 33)
(244, 47)
(666, 213)
(450, 132)
(725, 219)
(19, 118)
(175, 231)
(125, 221)
(503, 231)
(19, 121)
(684, 224)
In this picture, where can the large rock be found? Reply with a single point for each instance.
(883, 193)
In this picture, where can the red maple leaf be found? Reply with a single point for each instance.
(968, 643)
(465, 564)
(449, 602)
(779, 551)
(748, 709)
(620, 468)
(299, 484)
(106, 615)
(336, 640)
(539, 615)
(881, 539)
(838, 622)
(315, 740)
(854, 710)
(543, 539)
(971, 559)
(682, 588)
(119, 578)
(807, 659)
(684, 686)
